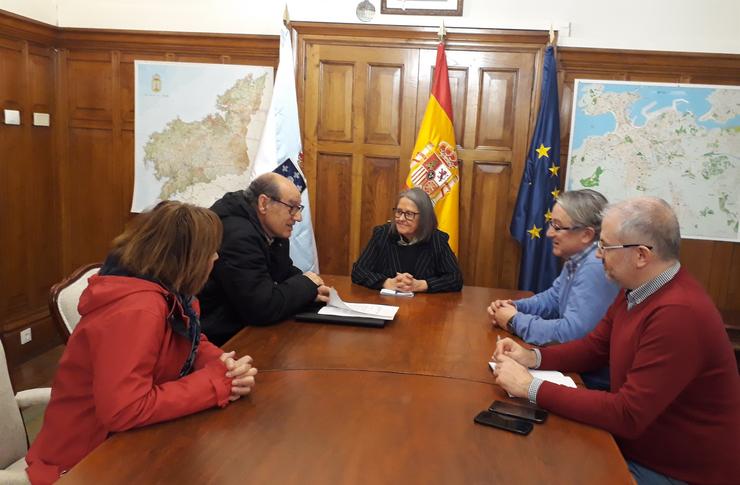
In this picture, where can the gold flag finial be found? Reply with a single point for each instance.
(552, 35)
(442, 33)
(286, 17)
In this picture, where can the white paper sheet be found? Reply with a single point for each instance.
(336, 306)
(556, 377)
(387, 292)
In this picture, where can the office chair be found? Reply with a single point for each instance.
(14, 442)
(64, 297)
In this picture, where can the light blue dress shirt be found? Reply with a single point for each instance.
(572, 307)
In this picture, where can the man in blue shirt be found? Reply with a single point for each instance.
(579, 296)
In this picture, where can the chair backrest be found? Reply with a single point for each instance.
(13, 444)
(64, 297)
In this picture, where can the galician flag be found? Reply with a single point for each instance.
(434, 167)
(280, 151)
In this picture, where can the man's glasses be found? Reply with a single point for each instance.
(557, 227)
(603, 248)
(292, 209)
(408, 215)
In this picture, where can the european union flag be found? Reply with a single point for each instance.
(539, 188)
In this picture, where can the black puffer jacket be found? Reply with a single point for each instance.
(252, 283)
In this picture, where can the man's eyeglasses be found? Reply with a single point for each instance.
(292, 209)
(602, 248)
(408, 215)
(557, 227)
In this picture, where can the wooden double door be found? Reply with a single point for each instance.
(363, 95)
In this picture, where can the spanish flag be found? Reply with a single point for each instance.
(434, 167)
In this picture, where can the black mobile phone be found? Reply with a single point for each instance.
(496, 420)
(536, 415)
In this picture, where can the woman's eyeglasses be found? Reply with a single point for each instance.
(408, 215)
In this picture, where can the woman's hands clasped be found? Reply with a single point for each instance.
(406, 282)
(240, 372)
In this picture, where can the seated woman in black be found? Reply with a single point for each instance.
(410, 253)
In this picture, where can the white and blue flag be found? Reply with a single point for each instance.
(280, 151)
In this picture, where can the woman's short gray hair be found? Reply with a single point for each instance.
(584, 207)
(427, 217)
(650, 221)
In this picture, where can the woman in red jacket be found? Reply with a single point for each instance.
(138, 356)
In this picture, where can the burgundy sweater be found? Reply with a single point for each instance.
(674, 404)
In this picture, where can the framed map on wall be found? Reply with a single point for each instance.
(680, 142)
(197, 129)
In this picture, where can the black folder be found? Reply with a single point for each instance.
(313, 316)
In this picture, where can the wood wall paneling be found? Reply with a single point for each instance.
(383, 105)
(94, 216)
(458, 92)
(12, 146)
(40, 186)
(496, 114)
(379, 191)
(333, 217)
(11, 65)
(336, 81)
(486, 223)
(90, 76)
(28, 210)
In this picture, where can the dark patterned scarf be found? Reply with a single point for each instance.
(111, 267)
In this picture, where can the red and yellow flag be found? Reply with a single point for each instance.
(434, 167)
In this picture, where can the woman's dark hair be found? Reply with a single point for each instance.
(173, 243)
(427, 217)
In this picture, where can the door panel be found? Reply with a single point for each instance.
(360, 102)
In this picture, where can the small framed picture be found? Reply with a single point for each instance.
(452, 8)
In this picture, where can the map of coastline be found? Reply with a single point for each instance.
(197, 128)
(681, 143)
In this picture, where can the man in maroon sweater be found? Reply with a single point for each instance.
(674, 404)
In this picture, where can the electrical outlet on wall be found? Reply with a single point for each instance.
(25, 336)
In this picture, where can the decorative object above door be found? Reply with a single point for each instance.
(452, 8)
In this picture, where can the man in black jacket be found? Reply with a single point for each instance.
(254, 281)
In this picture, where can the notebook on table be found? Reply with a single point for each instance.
(315, 317)
(358, 314)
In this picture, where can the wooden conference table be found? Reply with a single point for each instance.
(348, 405)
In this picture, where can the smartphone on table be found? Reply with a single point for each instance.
(507, 423)
(530, 413)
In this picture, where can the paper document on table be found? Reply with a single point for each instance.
(337, 307)
(556, 377)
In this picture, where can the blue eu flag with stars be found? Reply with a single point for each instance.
(539, 188)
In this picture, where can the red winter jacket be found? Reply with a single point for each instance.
(120, 371)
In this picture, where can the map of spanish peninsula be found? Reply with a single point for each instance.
(197, 129)
(677, 142)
